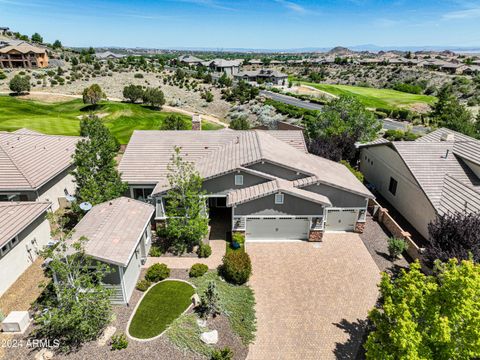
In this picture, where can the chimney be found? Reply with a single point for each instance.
(196, 122)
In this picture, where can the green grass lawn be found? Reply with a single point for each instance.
(375, 98)
(162, 304)
(63, 118)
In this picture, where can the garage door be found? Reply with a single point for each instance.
(275, 228)
(341, 220)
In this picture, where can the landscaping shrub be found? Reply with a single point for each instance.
(157, 272)
(204, 250)
(222, 354)
(2, 75)
(138, 76)
(396, 246)
(143, 285)
(198, 270)
(155, 251)
(119, 342)
(358, 174)
(236, 267)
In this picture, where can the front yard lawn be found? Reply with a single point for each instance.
(161, 305)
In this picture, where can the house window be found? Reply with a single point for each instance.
(14, 242)
(238, 179)
(142, 194)
(5, 249)
(392, 187)
(279, 199)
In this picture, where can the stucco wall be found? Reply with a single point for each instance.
(18, 259)
(276, 170)
(55, 189)
(339, 198)
(225, 183)
(409, 199)
(291, 206)
(132, 272)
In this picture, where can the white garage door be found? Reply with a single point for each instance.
(275, 228)
(341, 220)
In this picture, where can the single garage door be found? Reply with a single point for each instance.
(341, 220)
(277, 228)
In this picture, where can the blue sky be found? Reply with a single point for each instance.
(268, 24)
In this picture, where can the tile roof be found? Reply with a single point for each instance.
(16, 216)
(23, 48)
(113, 229)
(214, 153)
(278, 185)
(436, 161)
(29, 160)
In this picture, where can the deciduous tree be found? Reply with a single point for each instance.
(153, 97)
(79, 307)
(175, 122)
(428, 317)
(133, 93)
(93, 94)
(20, 84)
(37, 38)
(187, 221)
(454, 235)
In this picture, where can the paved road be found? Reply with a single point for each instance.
(388, 124)
(290, 100)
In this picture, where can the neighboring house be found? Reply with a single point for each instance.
(262, 183)
(263, 76)
(119, 235)
(23, 55)
(190, 60)
(229, 67)
(436, 174)
(24, 230)
(36, 167)
(108, 55)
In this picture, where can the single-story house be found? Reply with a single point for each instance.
(119, 235)
(261, 183)
(24, 230)
(436, 174)
(108, 55)
(263, 76)
(36, 167)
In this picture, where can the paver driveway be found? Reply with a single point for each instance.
(304, 293)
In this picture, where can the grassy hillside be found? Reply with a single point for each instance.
(375, 98)
(63, 118)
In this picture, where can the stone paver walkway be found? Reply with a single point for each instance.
(175, 262)
(310, 299)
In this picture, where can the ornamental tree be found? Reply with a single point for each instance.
(454, 235)
(428, 317)
(95, 173)
(78, 308)
(187, 221)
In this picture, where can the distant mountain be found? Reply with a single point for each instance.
(340, 51)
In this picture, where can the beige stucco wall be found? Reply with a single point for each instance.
(54, 189)
(18, 259)
(132, 272)
(409, 199)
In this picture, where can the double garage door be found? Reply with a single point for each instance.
(277, 228)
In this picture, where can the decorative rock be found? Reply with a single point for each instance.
(44, 354)
(202, 323)
(209, 337)
(196, 300)
(107, 334)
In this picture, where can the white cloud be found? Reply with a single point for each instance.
(296, 8)
(471, 13)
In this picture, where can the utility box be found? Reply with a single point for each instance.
(16, 321)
